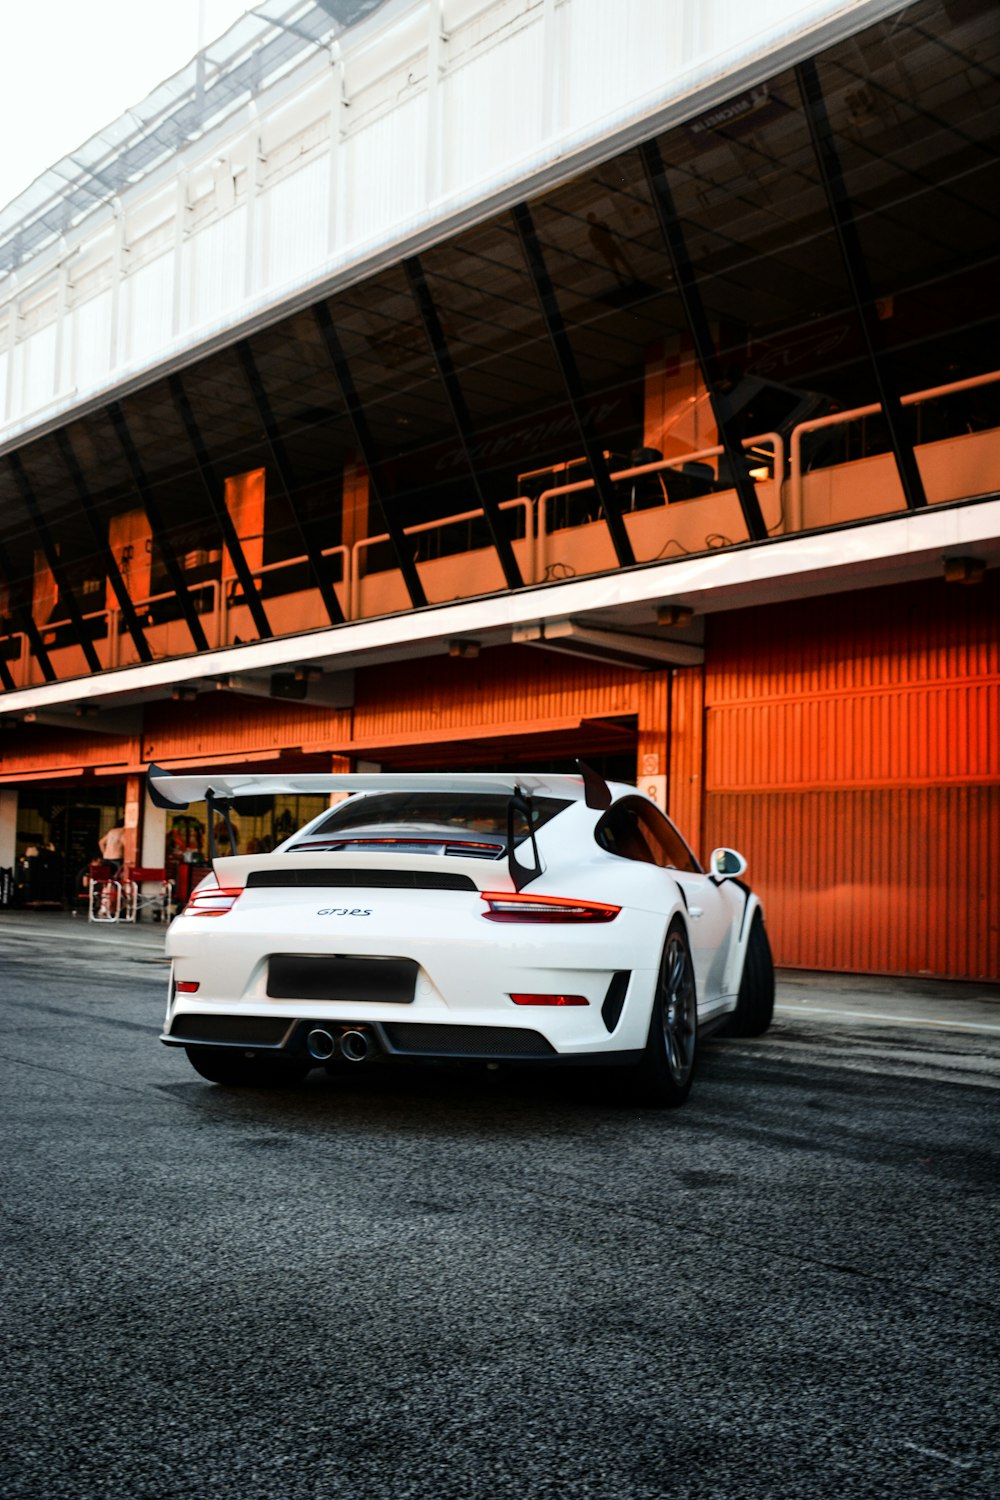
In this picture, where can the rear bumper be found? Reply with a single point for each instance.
(395, 1041)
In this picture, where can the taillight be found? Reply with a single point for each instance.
(187, 986)
(550, 1000)
(505, 906)
(212, 901)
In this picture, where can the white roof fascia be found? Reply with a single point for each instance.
(557, 160)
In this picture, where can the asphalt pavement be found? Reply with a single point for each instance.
(459, 1282)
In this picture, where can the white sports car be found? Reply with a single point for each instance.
(503, 918)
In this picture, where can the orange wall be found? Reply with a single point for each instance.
(849, 746)
(433, 700)
(515, 685)
(852, 752)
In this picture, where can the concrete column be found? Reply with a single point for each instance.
(651, 750)
(8, 827)
(340, 765)
(687, 753)
(154, 835)
(133, 814)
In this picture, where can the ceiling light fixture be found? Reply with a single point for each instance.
(465, 650)
(674, 616)
(964, 569)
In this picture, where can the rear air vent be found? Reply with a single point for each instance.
(615, 998)
(383, 880)
(429, 1040)
(243, 1031)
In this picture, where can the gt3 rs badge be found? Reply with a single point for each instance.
(344, 911)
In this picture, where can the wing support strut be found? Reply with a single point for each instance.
(521, 806)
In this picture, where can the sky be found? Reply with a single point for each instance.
(71, 66)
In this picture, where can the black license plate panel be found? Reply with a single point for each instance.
(336, 976)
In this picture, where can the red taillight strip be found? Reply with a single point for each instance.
(517, 906)
(213, 901)
(550, 1000)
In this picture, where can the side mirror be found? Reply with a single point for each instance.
(726, 864)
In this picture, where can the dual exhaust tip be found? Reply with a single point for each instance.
(353, 1046)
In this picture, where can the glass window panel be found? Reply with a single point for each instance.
(752, 207)
(503, 359)
(612, 276)
(227, 419)
(315, 434)
(606, 258)
(174, 480)
(914, 104)
(81, 566)
(394, 372)
(754, 215)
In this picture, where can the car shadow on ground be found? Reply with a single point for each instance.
(450, 1099)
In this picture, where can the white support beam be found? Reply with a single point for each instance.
(180, 215)
(153, 837)
(435, 58)
(118, 340)
(250, 253)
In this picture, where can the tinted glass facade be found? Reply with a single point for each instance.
(778, 316)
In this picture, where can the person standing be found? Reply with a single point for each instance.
(112, 847)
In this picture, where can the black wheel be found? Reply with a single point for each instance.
(755, 1005)
(228, 1065)
(667, 1067)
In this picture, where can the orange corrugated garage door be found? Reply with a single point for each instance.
(852, 751)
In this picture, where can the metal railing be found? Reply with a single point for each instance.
(435, 554)
(702, 456)
(535, 521)
(231, 596)
(841, 419)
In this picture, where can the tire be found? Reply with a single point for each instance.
(667, 1067)
(755, 1005)
(228, 1066)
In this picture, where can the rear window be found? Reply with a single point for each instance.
(455, 815)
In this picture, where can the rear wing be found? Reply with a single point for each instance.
(221, 790)
(176, 792)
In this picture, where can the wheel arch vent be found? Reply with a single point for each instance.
(614, 1000)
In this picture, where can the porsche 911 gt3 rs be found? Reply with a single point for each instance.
(543, 919)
